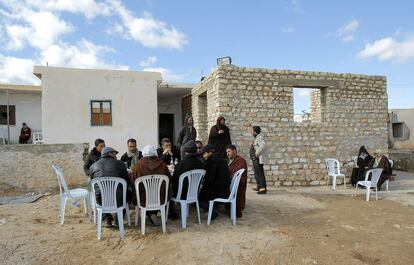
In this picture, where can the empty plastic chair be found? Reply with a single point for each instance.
(152, 186)
(108, 187)
(37, 138)
(66, 194)
(334, 171)
(235, 180)
(370, 184)
(193, 178)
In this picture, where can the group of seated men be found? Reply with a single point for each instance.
(220, 167)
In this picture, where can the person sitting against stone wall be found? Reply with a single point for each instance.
(25, 134)
(109, 166)
(94, 155)
(132, 156)
(216, 182)
(236, 163)
(358, 173)
(150, 164)
(168, 153)
(381, 161)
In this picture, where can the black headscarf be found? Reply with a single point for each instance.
(362, 149)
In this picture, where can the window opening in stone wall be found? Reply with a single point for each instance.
(101, 113)
(3, 115)
(398, 130)
(307, 104)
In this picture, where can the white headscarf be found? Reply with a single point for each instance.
(149, 150)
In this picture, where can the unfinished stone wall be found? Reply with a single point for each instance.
(29, 167)
(353, 113)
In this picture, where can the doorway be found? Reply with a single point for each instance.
(166, 127)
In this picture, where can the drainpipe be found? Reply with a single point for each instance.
(8, 117)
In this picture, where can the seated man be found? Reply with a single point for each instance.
(358, 173)
(167, 153)
(189, 162)
(216, 182)
(93, 155)
(132, 156)
(381, 161)
(25, 134)
(150, 164)
(236, 163)
(110, 166)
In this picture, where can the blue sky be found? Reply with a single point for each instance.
(182, 39)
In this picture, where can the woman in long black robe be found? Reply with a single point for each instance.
(364, 159)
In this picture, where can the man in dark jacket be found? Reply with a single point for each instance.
(109, 166)
(219, 136)
(168, 153)
(216, 182)
(190, 162)
(187, 133)
(93, 155)
(132, 154)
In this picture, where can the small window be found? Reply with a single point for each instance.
(307, 104)
(398, 130)
(3, 115)
(101, 113)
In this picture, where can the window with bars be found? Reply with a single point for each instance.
(101, 113)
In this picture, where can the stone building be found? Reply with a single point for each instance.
(348, 110)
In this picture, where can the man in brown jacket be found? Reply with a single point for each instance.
(236, 163)
(150, 164)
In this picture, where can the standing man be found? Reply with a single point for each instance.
(25, 134)
(219, 136)
(236, 163)
(94, 155)
(257, 154)
(167, 152)
(187, 133)
(133, 154)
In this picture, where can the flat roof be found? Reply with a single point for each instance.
(20, 88)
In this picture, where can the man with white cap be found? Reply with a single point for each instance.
(109, 166)
(150, 164)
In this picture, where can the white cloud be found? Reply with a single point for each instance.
(167, 75)
(149, 31)
(37, 29)
(304, 92)
(347, 32)
(89, 8)
(17, 70)
(151, 60)
(288, 29)
(389, 49)
(83, 55)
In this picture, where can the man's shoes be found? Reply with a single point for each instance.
(255, 189)
(154, 220)
(262, 191)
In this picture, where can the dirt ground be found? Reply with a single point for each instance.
(287, 226)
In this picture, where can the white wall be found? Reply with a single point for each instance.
(172, 105)
(28, 109)
(66, 105)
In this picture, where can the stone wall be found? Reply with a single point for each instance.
(29, 167)
(403, 160)
(353, 113)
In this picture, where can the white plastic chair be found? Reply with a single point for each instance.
(66, 194)
(235, 180)
(355, 158)
(194, 178)
(3, 136)
(370, 184)
(387, 182)
(108, 188)
(37, 138)
(334, 171)
(152, 185)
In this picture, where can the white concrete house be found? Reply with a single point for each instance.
(80, 105)
(25, 105)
